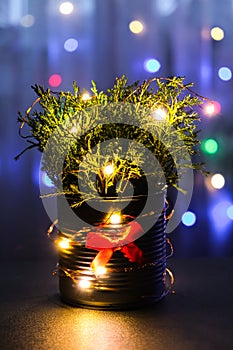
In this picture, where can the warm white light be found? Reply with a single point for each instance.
(100, 270)
(66, 8)
(84, 283)
(115, 219)
(109, 169)
(217, 33)
(136, 27)
(86, 96)
(159, 114)
(217, 181)
(64, 243)
(209, 109)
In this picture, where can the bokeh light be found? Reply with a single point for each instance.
(152, 65)
(217, 181)
(225, 73)
(188, 218)
(209, 146)
(55, 80)
(166, 8)
(136, 27)
(217, 33)
(66, 8)
(219, 214)
(71, 45)
(46, 180)
(230, 212)
(27, 21)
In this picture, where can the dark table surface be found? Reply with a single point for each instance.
(199, 315)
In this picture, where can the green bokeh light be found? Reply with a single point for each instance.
(209, 146)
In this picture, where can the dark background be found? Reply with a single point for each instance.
(177, 34)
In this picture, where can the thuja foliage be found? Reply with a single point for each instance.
(88, 131)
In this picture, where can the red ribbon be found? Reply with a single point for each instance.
(107, 246)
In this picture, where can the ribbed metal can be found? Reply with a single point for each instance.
(124, 284)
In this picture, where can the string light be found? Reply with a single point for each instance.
(84, 283)
(136, 27)
(64, 243)
(86, 96)
(100, 271)
(159, 114)
(212, 108)
(115, 218)
(109, 169)
(66, 8)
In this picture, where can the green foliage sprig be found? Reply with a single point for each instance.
(85, 159)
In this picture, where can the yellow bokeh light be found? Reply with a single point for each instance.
(86, 96)
(84, 283)
(64, 243)
(136, 27)
(66, 8)
(217, 181)
(217, 33)
(109, 169)
(115, 218)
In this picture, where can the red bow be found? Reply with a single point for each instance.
(107, 246)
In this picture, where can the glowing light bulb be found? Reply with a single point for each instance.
(212, 108)
(100, 271)
(84, 283)
(217, 181)
(86, 96)
(159, 114)
(64, 243)
(66, 8)
(136, 27)
(115, 219)
(217, 33)
(109, 169)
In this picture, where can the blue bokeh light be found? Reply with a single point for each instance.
(152, 65)
(46, 180)
(225, 73)
(71, 45)
(188, 218)
(219, 214)
(230, 212)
